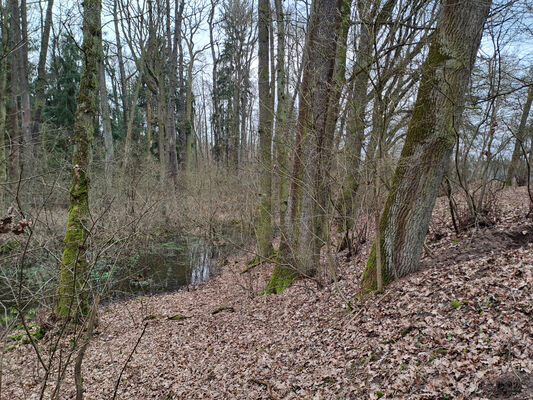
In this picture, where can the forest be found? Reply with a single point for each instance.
(271, 199)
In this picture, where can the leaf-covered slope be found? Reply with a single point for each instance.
(459, 329)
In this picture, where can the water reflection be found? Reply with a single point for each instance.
(172, 265)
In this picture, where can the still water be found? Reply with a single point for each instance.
(167, 267)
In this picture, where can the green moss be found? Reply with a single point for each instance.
(177, 317)
(369, 280)
(379, 393)
(8, 246)
(222, 308)
(455, 304)
(282, 278)
(16, 338)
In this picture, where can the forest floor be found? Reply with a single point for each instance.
(461, 328)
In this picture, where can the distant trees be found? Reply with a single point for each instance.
(316, 130)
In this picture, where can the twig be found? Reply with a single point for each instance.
(127, 361)
(267, 385)
(79, 358)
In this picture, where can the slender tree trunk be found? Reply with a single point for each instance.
(41, 72)
(430, 139)
(25, 117)
(281, 140)
(122, 70)
(3, 105)
(106, 120)
(172, 54)
(71, 299)
(264, 222)
(355, 126)
(13, 109)
(514, 168)
(188, 117)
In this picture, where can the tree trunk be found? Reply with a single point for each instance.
(41, 72)
(3, 105)
(313, 140)
(188, 117)
(355, 126)
(281, 140)
(264, 220)
(122, 71)
(25, 118)
(106, 120)
(13, 109)
(71, 299)
(514, 167)
(430, 139)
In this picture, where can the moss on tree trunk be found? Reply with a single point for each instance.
(430, 139)
(71, 300)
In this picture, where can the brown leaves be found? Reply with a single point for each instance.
(450, 331)
(7, 225)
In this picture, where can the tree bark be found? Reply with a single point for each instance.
(106, 120)
(264, 222)
(313, 139)
(122, 71)
(430, 139)
(71, 299)
(514, 167)
(25, 117)
(3, 105)
(41, 72)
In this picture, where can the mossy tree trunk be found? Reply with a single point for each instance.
(430, 139)
(71, 299)
(264, 222)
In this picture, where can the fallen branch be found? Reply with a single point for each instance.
(222, 308)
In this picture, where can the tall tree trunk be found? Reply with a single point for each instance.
(188, 117)
(41, 72)
(71, 299)
(264, 213)
(312, 141)
(25, 117)
(430, 139)
(355, 126)
(281, 140)
(172, 54)
(215, 118)
(106, 120)
(122, 70)
(13, 109)
(3, 105)
(514, 167)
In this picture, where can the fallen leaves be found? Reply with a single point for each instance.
(411, 342)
